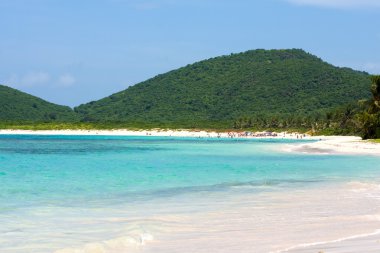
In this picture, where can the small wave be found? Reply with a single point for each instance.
(307, 149)
(362, 186)
(307, 245)
(252, 185)
(256, 186)
(120, 244)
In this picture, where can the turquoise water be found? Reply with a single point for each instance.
(73, 176)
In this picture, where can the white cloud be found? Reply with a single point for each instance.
(338, 3)
(11, 80)
(36, 78)
(29, 79)
(39, 79)
(371, 67)
(66, 80)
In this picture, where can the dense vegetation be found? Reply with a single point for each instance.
(260, 89)
(255, 90)
(360, 118)
(370, 117)
(19, 106)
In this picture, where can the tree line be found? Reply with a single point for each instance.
(361, 118)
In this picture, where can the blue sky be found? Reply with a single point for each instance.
(74, 51)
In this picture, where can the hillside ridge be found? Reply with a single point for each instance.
(16, 105)
(256, 83)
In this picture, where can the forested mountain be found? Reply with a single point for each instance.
(255, 84)
(19, 106)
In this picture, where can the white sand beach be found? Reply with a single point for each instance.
(162, 132)
(367, 242)
(337, 145)
(321, 144)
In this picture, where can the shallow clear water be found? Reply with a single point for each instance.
(163, 194)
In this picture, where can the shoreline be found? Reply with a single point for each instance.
(369, 242)
(164, 133)
(343, 145)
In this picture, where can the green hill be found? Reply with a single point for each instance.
(258, 83)
(22, 107)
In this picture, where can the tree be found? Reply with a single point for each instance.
(370, 118)
(375, 90)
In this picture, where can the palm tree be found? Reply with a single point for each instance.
(371, 117)
(375, 89)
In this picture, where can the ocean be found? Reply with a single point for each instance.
(112, 194)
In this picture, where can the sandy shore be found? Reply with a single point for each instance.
(368, 243)
(160, 132)
(322, 144)
(337, 145)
